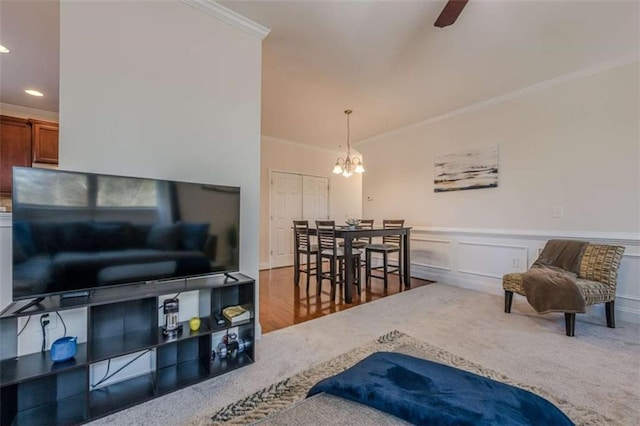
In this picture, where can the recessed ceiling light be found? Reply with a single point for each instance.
(4, 49)
(33, 92)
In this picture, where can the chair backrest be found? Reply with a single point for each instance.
(392, 224)
(326, 235)
(301, 232)
(366, 224)
(600, 262)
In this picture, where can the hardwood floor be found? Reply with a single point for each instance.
(282, 304)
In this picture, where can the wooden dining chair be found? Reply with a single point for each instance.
(390, 244)
(328, 249)
(303, 246)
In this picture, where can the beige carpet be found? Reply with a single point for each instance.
(599, 369)
(278, 400)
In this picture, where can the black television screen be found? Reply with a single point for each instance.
(73, 232)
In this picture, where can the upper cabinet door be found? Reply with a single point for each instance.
(15, 149)
(45, 142)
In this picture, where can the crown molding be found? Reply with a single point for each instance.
(536, 88)
(24, 112)
(302, 145)
(230, 17)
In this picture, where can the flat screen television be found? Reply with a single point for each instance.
(74, 232)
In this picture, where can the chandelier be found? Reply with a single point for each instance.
(346, 166)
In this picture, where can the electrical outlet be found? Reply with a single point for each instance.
(53, 322)
(558, 212)
(515, 262)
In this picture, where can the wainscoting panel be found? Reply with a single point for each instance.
(477, 259)
(491, 260)
(435, 254)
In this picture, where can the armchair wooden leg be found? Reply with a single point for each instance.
(570, 323)
(508, 298)
(611, 316)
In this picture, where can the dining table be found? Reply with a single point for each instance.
(351, 233)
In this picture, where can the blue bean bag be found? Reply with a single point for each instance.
(425, 392)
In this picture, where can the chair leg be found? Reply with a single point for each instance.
(308, 271)
(508, 298)
(400, 280)
(318, 266)
(367, 268)
(333, 280)
(356, 265)
(296, 269)
(386, 269)
(570, 323)
(318, 276)
(611, 316)
(400, 268)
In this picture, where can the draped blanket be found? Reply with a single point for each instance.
(426, 392)
(550, 284)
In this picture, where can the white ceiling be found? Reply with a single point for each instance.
(383, 59)
(30, 29)
(387, 62)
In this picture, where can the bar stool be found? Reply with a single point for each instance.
(390, 244)
(361, 242)
(302, 245)
(328, 249)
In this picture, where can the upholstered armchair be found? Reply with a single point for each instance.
(596, 281)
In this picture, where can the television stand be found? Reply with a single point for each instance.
(228, 276)
(31, 304)
(121, 327)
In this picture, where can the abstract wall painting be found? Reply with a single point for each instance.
(470, 169)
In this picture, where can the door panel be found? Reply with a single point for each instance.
(294, 197)
(286, 206)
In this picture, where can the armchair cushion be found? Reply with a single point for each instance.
(595, 292)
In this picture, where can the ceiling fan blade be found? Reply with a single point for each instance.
(450, 13)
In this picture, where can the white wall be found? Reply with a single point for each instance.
(6, 259)
(161, 90)
(574, 145)
(345, 194)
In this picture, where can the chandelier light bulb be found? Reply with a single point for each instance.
(344, 165)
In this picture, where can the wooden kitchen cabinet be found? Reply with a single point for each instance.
(45, 141)
(15, 149)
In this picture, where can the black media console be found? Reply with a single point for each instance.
(122, 322)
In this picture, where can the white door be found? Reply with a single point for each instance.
(286, 206)
(315, 192)
(294, 197)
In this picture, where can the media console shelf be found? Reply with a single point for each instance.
(122, 325)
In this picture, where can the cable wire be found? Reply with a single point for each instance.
(105, 378)
(43, 324)
(63, 324)
(24, 326)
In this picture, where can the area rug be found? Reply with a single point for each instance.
(282, 395)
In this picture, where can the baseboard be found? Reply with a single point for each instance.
(493, 286)
(263, 265)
